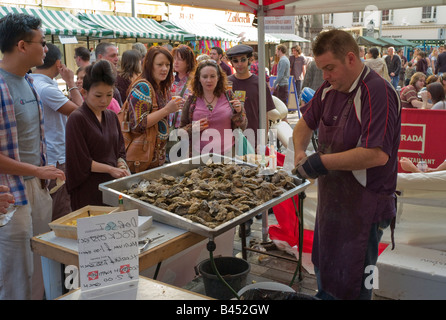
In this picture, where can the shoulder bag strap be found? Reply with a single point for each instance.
(154, 102)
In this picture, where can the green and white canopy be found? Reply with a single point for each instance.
(131, 27)
(174, 28)
(58, 22)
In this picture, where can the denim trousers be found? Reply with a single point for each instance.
(371, 257)
(394, 80)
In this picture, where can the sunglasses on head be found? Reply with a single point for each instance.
(43, 43)
(208, 61)
(241, 60)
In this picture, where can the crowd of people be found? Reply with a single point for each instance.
(69, 144)
(414, 78)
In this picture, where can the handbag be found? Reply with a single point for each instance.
(139, 147)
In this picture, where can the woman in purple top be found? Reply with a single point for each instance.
(212, 110)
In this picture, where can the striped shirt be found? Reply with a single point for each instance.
(9, 139)
(407, 95)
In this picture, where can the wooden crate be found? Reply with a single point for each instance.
(63, 227)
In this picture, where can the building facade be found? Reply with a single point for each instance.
(425, 26)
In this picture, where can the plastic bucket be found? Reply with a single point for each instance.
(233, 270)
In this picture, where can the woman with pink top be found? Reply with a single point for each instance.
(211, 110)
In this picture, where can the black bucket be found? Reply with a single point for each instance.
(233, 270)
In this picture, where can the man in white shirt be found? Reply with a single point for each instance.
(57, 107)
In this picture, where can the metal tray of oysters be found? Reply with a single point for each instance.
(207, 194)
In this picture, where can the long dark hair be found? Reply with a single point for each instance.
(147, 69)
(437, 92)
(130, 64)
(196, 86)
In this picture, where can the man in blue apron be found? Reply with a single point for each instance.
(357, 115)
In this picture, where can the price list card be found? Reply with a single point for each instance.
(108, 250)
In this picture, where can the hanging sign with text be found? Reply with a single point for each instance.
(108, 249)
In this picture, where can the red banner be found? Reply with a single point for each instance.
(423, 133)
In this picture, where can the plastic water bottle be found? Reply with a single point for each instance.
(288, 163)
(422, 165)
(272, 144)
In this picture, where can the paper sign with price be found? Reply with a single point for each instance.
(108, 250)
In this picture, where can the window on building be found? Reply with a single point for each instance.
(387, 16)
(429, 13)
(358, 17)
(328, 18)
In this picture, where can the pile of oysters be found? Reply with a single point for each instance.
(214, 193)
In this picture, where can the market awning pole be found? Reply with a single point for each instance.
(134, 15)
(262, 78)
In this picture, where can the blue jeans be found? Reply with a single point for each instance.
(371, 257)
(394, 80)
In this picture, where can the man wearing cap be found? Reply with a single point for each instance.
(246, 88)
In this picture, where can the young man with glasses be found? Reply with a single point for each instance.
(245, 85)
(23, 165)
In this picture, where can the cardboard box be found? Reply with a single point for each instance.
(411, 273)
(64, 226)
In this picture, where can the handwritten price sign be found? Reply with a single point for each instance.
(108, 249)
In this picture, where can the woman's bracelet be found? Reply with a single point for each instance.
(69, 90)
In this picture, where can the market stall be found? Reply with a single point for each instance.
(60, 23)
(175, 243)
(131, 27)
(177, 175)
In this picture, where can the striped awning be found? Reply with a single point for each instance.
(174, 28)
(205, 31)
(131, 27)
(58, 22)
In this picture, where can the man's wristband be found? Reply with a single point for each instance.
(69, 90)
